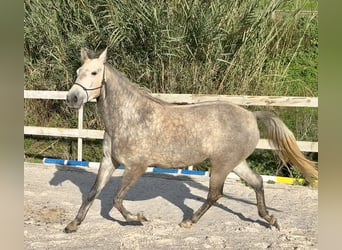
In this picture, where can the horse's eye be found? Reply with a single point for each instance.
(94, 73)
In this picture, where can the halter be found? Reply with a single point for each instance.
(103, 82)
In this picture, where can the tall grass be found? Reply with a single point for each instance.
(237, 47)
(234, 47)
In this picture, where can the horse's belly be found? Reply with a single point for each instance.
(180, 158)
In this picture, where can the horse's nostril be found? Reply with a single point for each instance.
(72, 98)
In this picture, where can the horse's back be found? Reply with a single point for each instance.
(216, 115)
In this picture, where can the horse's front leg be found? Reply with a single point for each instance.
(107, 167)
(130, 177)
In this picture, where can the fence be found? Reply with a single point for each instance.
(81, 134)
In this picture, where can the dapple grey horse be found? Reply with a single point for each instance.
(142, 131)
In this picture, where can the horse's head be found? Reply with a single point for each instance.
(90, 77)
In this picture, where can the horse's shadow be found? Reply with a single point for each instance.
(178, 198)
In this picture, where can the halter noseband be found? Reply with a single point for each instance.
(103, 82)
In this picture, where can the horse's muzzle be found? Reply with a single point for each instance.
(74, 99)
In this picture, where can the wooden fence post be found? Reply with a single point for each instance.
(79, 139)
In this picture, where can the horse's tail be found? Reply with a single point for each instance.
(286, 146)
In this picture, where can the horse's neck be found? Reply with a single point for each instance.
(122, 92)
(122, 99)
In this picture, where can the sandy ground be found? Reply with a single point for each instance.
(53, 195)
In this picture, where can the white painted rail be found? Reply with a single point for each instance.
(81, 133)
(280, 101)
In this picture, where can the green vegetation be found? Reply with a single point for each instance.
(233, 47)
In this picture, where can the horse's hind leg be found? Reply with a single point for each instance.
(219, 172)
(256, 182)
(130, 177)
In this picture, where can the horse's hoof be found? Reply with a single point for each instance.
(186, 224)
(141, 217)
(274, 222)
(136, 218)
(70, 228)
(276, 225)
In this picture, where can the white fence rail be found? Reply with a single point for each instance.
(81, 133)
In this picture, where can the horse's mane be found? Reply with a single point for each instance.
(129, 84)
(133, 87)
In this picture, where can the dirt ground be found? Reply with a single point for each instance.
(53, 195)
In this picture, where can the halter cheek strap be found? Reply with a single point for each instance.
(90, 89)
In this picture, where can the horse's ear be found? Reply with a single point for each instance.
(103, 56)
(84, 55)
